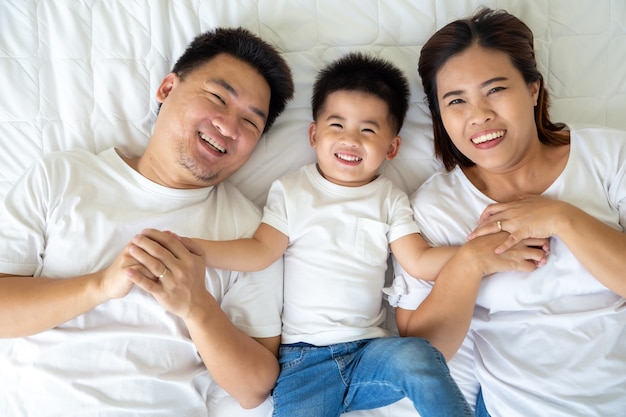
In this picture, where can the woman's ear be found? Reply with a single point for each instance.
(534, 90)
(394, 147)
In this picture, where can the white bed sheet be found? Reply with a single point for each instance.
(83, 74)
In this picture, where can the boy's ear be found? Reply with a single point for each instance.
(312, 134)
(166, 87)
(394, 146)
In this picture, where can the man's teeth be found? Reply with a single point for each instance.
(212, 142)
(488, 137)
(348, 158)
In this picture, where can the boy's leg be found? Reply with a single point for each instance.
(309, 384)
(481, 409)
(391, 368)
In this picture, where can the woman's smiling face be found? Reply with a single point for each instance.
(487, 108)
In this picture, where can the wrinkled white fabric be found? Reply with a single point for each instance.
(337, 256)
(72, 214)
(550, 342)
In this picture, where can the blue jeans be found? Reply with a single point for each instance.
(325, 381)
(481, 410)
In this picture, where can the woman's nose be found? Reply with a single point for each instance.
(481, 113)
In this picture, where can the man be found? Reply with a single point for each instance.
(91, 323)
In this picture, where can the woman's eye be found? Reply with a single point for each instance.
(496, 89)
(455, 101)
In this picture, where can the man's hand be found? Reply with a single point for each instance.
(171, 269)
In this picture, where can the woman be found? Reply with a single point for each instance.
(545, 341)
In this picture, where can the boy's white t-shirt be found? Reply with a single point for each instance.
(72, 214)
(551, 342)
(337, 256)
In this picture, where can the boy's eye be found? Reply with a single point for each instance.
(337, 125)
(368, 130)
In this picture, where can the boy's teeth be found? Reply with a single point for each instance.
(212, 142)
(349, 158)
(488, 137)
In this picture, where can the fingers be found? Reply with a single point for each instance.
(152, 259)
(507, 244)
(191, 245)
(487, 228)
(491, 210)
(157, 243)
(158, 251)
(144, 280)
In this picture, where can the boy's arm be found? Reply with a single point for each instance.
(248, 254)
(419, 259)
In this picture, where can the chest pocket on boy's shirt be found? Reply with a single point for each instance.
(372, 244)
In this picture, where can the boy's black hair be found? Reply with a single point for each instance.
(244, 45)
(357, 71)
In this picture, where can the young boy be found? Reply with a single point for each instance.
(334, 221)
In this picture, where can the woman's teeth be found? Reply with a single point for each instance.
(489, 136)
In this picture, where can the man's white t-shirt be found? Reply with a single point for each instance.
(72, 214)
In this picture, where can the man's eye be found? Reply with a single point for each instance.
(218, 98)
(251, 123)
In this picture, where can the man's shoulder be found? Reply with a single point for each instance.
(66, 163)
(233, 196)
(73, 156)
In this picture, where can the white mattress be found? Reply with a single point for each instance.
(83, 74)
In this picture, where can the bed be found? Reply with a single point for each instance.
(83, 74)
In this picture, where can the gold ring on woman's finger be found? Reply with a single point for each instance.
(499, 224)
(163, 273)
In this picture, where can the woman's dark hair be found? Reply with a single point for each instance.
(359, 72)
(492, 29)
(242, 44)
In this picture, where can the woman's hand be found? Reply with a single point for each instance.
(526, 255)
(533, 217)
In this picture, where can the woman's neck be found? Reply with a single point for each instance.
(533, 175)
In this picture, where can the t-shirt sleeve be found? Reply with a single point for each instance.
(254, 302)
(22, 224)
(275, 210)
(401, 222)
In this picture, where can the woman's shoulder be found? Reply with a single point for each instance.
(597, 135)
(442, 180)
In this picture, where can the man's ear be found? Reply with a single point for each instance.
(312, 134)
(166, 86)
(394, 146)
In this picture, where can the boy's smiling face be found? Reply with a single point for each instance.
(352, 136)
